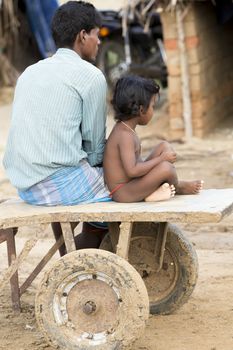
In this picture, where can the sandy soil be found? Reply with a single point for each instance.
(205, 321)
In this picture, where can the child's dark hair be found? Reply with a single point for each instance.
(72, 17)
(131, 93)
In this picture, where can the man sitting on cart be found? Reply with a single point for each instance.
(57, 135)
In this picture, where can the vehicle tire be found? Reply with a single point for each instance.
(111, 60)
(92, 299)
(172, 286)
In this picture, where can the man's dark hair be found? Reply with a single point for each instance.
(131, 92)
(72, 17)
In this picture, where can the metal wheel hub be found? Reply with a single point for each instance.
(88, 304)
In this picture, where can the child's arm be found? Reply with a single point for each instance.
(131, 166)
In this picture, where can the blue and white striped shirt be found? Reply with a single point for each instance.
(58, 118)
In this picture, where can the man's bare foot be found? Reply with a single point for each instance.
(189, 187)
(164, 192)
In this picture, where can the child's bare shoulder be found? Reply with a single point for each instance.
(118, 134)
(115, 132)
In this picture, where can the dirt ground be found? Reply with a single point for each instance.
(205, 321)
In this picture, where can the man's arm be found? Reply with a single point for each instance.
(93, 127)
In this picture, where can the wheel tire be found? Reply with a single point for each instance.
(93, 300)
(172, 286)
(111, 56)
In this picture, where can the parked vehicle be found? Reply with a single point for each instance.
(131, 44)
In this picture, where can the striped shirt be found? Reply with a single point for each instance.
(58, 118)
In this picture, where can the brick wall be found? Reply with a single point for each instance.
(209, 47)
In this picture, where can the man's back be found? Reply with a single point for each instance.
(51, 99)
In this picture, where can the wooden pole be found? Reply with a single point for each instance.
(186, 96)
(11, 270)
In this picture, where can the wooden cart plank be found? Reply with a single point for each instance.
(208, 206)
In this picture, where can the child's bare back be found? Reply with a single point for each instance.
(119, 139)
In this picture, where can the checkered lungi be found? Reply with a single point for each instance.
(69, 186)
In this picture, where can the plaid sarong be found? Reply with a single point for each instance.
(69, 186)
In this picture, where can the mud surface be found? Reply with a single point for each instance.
(205, 321)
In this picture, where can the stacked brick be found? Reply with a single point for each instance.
(209, 49)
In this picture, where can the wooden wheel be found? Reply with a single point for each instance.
(169, 288)
(92, 299)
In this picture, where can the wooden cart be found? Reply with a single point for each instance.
(100, 299)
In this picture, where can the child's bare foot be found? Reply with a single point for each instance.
(164, 192)
(189, 187)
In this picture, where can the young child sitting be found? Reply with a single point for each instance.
(129, 177)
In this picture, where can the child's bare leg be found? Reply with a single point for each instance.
(182, 187)
(189, 187)
(138, 189)
(164, 192)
